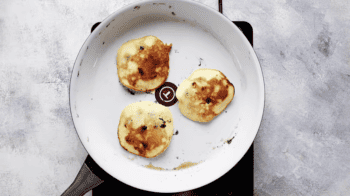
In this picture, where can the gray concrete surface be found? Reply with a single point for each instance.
(302, 147)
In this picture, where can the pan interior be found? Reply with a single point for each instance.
(98, 98)
(193, 48)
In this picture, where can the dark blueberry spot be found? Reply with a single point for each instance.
(141, 48)
(125, 125)
(141, 71)
(193, 83)
(177, 132)
(163, 126)
(144, 145)
(144, 128)
(208, 100)
(131, 92)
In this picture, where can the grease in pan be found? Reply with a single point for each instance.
(143, 64)
(204, 94)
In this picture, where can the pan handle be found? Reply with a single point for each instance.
(86, 178)
(85, 181)
(94, 26)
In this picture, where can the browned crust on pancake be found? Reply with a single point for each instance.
(151, 137)
(156, 56)
(207, 96)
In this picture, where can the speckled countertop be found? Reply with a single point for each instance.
(302, 147)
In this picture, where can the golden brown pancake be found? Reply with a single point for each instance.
(145, 128)
(143, 64)
(204, 95)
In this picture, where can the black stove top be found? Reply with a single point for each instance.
(240, 179)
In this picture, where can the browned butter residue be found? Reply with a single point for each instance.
(129, 158)
(150, 166)
(181, 166)
(228, 141)
(185, 165)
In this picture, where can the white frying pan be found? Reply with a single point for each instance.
(202, 38)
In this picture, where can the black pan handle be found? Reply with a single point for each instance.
(90, 174)
(94, 26)
(85, 181)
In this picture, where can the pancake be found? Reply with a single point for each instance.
(143, 64)
(145, 128)
(204, 95)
